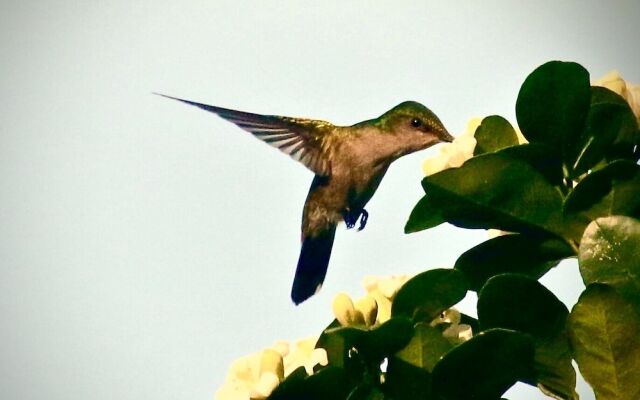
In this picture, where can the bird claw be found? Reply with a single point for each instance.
(364, 216)
(351, 217)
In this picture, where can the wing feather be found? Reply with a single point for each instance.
(299, 138)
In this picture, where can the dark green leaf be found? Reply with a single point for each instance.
(527, 255)
(371, 345)
(516, 302)
(553, 103)
(613, 190)
(605, 333)
(472, 322)
(484, 367)
(334, 349)
(610, 254)
(496, 191)
(493, 134)
(426, 347)
(540, 157)
(329, 383)
(423, 216)
(610, 120)
(426, 295)
(404, 381)
(387, 339)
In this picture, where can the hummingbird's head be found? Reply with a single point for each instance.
(413, 127)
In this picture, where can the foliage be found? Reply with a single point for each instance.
(572, 191)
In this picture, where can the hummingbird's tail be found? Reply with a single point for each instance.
(312, 265)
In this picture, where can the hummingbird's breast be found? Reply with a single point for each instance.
(356, 173)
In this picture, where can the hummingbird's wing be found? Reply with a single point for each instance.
(300, 138)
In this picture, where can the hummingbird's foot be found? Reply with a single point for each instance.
(364, 216)
(350, 218)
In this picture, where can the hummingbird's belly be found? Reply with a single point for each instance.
(363, 185)
(331, 198)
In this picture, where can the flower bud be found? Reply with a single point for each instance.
(345, 312)
(271, 361)
(368, 307)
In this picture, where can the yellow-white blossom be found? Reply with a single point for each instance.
(631, 93)
(362, 313)
(255, 376)
(383, 290)
(454, 154)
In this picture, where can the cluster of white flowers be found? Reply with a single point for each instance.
(255, 376)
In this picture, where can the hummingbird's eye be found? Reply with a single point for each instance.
(416, 123)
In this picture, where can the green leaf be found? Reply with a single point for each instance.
(426, 295)
(541, 158)
(423, 216)
(496, 191)
(527, 255)
(329, 383)
(371, 345)
(404, 381)
(493, 134)
(484, 367)
(426, 347)
(553, 103)
(516, 302)
(605, 333)
(387, 339)
(610, 120)
(612, 190)
(610, 254)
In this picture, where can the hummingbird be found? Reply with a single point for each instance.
(349, 163)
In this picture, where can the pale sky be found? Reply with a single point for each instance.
(145, 244)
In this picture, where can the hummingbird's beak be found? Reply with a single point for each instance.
(445, 136)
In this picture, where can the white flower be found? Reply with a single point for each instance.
(631, 93)
(255, 376)
(454, 154)
(383, 290)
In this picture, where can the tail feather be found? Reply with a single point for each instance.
(312, 265)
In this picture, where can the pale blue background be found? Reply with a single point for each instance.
(144, 245)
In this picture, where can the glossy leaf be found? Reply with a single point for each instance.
(612, 190)
(541, 158)
(426, 295)
(371, 345)
(484, 367)
(610, 253)
(423, 216)
(496, 191)
(527, 255)
(605, 333)
(552, 104)
(610, 120)
(493, 134)
(426, 347)
(404, 381)
(516, 302)
(329, 383)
